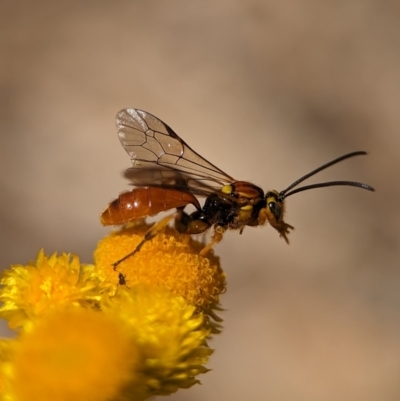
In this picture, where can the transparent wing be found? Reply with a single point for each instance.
(168, 178)
(156, 150)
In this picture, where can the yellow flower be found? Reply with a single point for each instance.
(143, 342)
(87, 336)
(171, 336)
(76, 354)
(44, 285)
(169, 260)
(6, 348)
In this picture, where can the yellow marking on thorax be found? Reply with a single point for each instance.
(245, 212)
(227, 189)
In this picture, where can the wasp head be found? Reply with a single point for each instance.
(273, 212)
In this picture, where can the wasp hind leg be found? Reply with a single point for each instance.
(196, 223)
(150, 234)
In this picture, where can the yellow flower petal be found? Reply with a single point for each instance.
(82, 328)
(171, 336)
(79, 354)
(170, 260)
(143, 342)
(6, 350)
(46, 284)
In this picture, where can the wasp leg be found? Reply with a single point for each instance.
(150, 234)
(194, 223)
(216, 238)
(284, 230)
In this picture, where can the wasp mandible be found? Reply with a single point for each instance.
(168, 174)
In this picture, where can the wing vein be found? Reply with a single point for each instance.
(161, 158)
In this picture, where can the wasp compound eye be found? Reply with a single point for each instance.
(275, 210)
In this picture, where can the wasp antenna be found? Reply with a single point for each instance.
(317, 170)
(328, 184)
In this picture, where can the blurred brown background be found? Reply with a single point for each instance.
(266, 90)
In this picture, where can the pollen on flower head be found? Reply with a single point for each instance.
(170, 334)
(76, 354)
(44, 285)
(6, 348)
(169, 260)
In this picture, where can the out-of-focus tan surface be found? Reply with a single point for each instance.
(267, 91)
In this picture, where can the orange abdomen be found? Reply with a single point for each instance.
(143, 202)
